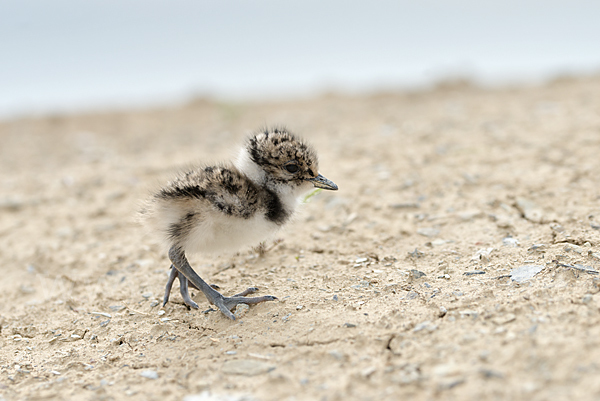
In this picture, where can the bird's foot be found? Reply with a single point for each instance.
(225, 304)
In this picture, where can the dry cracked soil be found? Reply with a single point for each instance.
(458, 261)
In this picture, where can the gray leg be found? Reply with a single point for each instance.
(183, 288)
(225, 304)
(174, 273)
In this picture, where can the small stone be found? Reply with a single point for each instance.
(299, 307)
(428, 231)
(587, 298)
(337, 355)
(474, 272)
(230, 352)
(154, 303)
(405, 205)
(530, 210)
(470, 215)
(149, 374)
(491, 374)
(537, 248)
(507, 318)
(241, 310)
(510, 242)
(416, 274)
(116, 308)
(368, 371)
(11, 204)
(427, 326)
(147, 295)
(482, 254)
(349, 325)
(161, 312)
(101, 314)
(335, 297)
(469, 313)
(246, 367)
(361, 260)
(524, 273)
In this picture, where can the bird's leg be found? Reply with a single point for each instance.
(174, 273)
(183, 288)
(225, 304)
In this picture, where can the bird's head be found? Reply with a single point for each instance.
(279, 157)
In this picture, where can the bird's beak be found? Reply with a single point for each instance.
(322, 182)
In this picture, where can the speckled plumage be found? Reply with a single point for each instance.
(225, 207)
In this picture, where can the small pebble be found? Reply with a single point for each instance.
(587, 298)
(443, 311)
(510, 241)
(428, 231)
(416, 274)
(149, 374)
(337, 355)
(101, 314)
(246, 367)
(427, 325)
(524, 273)
(241, 310)
(474, 272)
(335, 297)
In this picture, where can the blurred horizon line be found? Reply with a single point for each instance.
(454, 81)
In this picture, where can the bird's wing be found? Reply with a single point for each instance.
(224, 188)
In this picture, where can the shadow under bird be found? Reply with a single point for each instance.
(225, 207)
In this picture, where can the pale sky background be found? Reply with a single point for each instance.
(69, 55)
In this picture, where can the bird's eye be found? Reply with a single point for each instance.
(292, 168)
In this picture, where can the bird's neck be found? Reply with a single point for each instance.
(283, 197)
(247, 167)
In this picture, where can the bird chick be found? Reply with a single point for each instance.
(228, 206)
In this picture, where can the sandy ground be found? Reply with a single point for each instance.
(398, 286)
